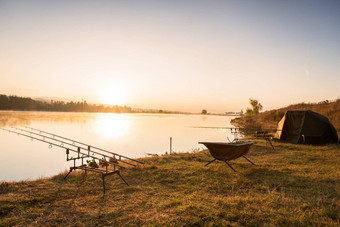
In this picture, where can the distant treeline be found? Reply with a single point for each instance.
(23, 103)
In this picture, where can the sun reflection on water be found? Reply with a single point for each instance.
(112, 126)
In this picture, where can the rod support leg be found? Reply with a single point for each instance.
(68, 173)
(103, 177)
(123, 179)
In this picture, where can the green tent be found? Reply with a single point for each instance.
(306, 127)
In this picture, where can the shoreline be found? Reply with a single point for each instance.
(93, 130)
(153, 113)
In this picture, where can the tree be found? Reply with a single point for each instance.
(256, 107)
(204, 112)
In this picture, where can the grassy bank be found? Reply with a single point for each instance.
(295, 185)
(269, 119)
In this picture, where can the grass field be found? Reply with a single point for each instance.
(295, 185)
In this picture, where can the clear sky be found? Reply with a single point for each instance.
(179, 55)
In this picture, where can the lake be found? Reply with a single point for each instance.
(132, 135)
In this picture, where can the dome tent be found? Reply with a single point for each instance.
(306, 127)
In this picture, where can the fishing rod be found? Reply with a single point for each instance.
(74, 141)
(63, 142)
(61, 146)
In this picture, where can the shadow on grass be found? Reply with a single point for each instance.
(50, 208)
(60, 181)
(307, 189)
(79, 186)
(101, 206)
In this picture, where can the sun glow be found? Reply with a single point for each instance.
(113, 95)
(112, 126)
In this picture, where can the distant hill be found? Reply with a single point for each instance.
(269, 119)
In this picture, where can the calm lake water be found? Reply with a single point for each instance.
(132, 135)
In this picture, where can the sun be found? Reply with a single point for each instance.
(113, 95)
(112, 126)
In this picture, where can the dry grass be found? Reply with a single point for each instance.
(269, 119)
(296, 185)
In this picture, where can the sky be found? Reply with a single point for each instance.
(174, 55)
